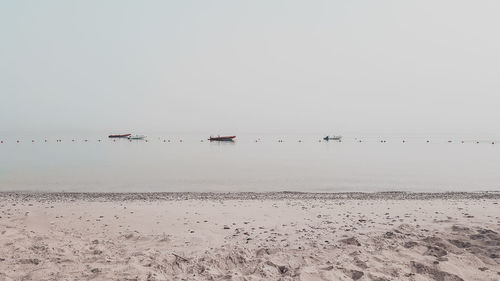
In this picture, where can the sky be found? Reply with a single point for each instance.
(386, 67)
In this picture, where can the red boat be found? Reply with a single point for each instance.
(119, 136)
(227, 138)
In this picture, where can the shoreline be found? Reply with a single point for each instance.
(283, 195)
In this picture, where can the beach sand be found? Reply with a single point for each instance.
(250, 236)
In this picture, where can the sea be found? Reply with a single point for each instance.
(252, 163)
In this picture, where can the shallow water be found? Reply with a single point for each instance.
(247, 165)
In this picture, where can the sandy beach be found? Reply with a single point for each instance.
(250, 236)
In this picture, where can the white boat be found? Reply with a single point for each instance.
(136, 137)
(334, 138)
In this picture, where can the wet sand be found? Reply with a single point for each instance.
(250, 236)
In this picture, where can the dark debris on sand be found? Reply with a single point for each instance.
(165, 196)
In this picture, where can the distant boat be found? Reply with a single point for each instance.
(219, 138)
(335, 138)
(119, 136)
(136, 137)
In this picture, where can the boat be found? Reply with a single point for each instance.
(219, 138)
(333, 138)
(136, 137)
(119, 136)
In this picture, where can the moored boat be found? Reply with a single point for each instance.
(335, 138)
(119, 136)
(219, 138)
(136, 137)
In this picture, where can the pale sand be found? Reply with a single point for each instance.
(274, 236)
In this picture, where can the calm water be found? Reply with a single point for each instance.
(246, 165)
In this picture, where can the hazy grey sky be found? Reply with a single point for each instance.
(251, 66)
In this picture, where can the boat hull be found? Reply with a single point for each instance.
(138, 137)
(335, 138)
(228, 138)
(119, 136)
